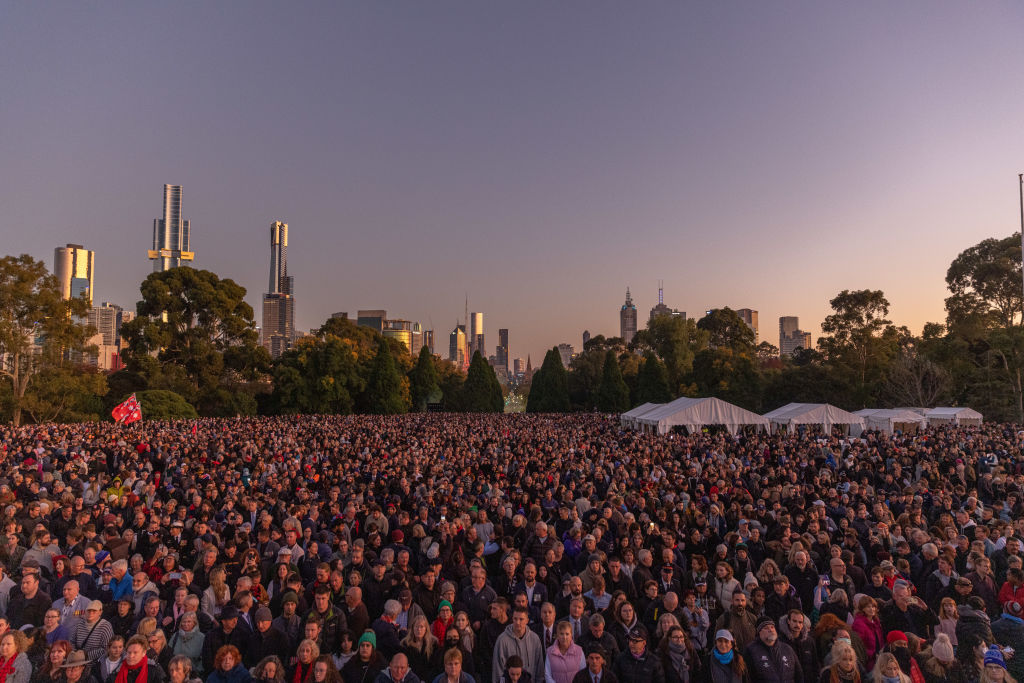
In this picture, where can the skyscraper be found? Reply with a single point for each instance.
(661, 308)
(73, 266)
(791, 337)
(476, 335)
(502, 351)
(566, 352)
(457, 350)
(171, 234)
(279, 301)
(750, 318)
(627, 319)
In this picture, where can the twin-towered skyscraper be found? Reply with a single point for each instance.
(171, 234)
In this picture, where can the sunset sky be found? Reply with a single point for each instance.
(541, 156)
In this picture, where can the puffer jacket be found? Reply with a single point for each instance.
(644, 669)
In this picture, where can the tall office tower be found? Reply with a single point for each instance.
(171, 234)
(791, 337)
(566, 352)
(107, 319)
(457, 350)
(476, 335)
(279, 283)
(586, 338)
(428, 340)
(502, 351)
(519, 366)
(750, 318)
(627, 319)
(279, 301)
(73, 266)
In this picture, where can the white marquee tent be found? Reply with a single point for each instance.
(955, 416)
(889, 420)
(822, 414)
(628, 419)
(694, 413)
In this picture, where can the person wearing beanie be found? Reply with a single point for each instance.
(770, 660)
(995, 666)
(1008, 631)
(445, 618)
(367, 662)
(939, 664)
(267, 639)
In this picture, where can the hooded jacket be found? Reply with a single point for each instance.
(528, 648)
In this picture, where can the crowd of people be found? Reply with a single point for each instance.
(507, 549)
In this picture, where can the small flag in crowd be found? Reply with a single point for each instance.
(127, 412)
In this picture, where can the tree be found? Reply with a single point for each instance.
(913, 380)
(423, 382)
(613, 394)
(985, 284)
(66, 394)
(676, 341)
(450, 379)
(158, 404)
(38, 329)
(729, 374)
(387, 391)
(481, 392)
(726, 329)
(549, 390)
(193, 332)
(652, 381)
(859, 342)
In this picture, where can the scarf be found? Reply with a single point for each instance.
(725, 659)
(298, 677)
(677, 655)
(142, 667)
(6, 668)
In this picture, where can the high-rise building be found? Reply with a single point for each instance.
(566, 352)
(278, 329)
(107, 319)
(519, 366)
(280, 282)
(73, 266)
(586, 338)
(373, 319)
(791, 337)
(661, 308)
(400, 330)
(476, 335)
(458, 352)
(501, 352)
(627, 319)
(171, 234)
(750, 318)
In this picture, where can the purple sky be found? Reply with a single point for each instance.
(541, 156)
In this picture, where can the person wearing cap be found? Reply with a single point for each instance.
(771, 660)
(75, 668)
(994, 666)
(596, 670)
(1008, 631)
(726, 664)
(638, 662)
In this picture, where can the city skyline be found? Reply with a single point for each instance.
(764, 157)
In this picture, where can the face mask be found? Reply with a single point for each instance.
(451, 642)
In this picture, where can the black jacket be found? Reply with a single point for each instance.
(215, 639)
(646, 669)
(775, 664)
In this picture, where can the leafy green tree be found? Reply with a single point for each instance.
(584, 376)
(159, 404)
(450, 378)
(985, 285)
(727, 330)
(652, 381)
(387, 390)
(423, 381)
(193, 333)
(38, 330)
(66, 394)
(859, 342)
(549, 390)
(613, 394)
(481, 392)
(675, 341)
(729, 374)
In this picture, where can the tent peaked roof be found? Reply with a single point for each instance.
(962, 415)
(694, 413)
(822, 414)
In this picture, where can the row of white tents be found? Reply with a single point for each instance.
(696, 413)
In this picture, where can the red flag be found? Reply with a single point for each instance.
(127, 412)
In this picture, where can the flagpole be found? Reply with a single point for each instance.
(1020, 186)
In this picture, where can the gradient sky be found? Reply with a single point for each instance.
(540, 155)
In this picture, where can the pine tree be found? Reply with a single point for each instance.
(478, 390)
(612, 394)
(384, 389)
(423, 381)
(549, 391)
(652, 381)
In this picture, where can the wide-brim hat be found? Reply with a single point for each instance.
(76, 658)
